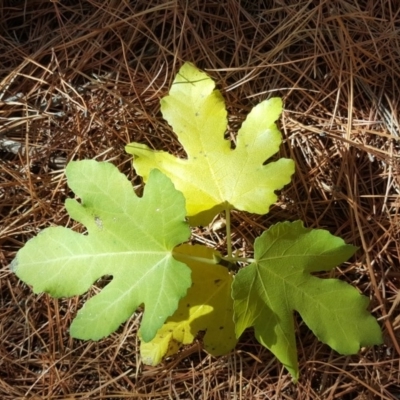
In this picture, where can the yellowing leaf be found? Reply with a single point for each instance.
(215, 177)
(279, 282)
(207, 306)
(129, 238)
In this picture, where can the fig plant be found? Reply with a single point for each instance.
(143, 242)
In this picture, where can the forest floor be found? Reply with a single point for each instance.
(81, 79)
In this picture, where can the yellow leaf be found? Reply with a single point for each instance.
(214, 177)
(207, 306)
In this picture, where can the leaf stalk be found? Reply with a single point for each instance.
(228, 233)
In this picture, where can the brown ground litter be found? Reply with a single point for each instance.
(80, 79)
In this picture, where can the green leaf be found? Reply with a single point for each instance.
(207, 306)
(279, 281)
(128, 237)
(215, 177)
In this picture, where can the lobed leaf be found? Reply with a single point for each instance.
(215, 177)
(128, 237)
(207, 306)
(279, 282)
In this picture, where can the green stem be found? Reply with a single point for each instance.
(228, 233)
(215, 261)
(229, 259)
(238, 259)
(194, 258)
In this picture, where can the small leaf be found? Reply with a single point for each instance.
(215, 177)
(279, 282)
(207, 306)
(128, 237)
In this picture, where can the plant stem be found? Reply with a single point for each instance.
(228, 233)
(194, 258)
(229, 259)
(238, 259)
(214, 261)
